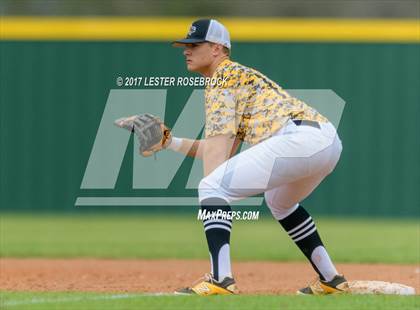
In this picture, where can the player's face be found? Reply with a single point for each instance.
(198, 56)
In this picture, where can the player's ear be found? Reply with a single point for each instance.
(213, 48)
(217, 49)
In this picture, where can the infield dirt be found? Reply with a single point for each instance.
(151, 276)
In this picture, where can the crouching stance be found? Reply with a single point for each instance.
(293, 148)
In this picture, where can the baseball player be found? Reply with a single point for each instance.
(293, 148)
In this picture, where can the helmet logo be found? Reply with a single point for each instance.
(192, 30)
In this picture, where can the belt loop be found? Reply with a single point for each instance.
(300, 122)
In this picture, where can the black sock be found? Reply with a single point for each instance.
(217, 229)
(301, 228)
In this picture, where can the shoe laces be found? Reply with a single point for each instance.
(208, 277)
(314, 281)
(315, 284)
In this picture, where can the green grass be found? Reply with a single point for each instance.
(181, 236)
(46, 301)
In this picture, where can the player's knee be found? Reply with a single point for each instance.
(280, 213)
(205, 183)
(278, 209)
(207, 187)
(268, 199)
(210, 188)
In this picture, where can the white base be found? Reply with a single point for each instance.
(380, 287)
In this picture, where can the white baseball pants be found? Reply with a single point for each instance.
(287, 167)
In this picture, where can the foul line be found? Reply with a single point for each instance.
(32, 301)
(155, 201)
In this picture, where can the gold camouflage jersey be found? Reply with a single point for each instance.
(249, 105)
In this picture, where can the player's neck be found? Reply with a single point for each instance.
(209, 71)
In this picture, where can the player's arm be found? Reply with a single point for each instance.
(217, 150)
(196, 148)
(189, 147)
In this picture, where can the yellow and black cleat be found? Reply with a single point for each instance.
(210, 286)
(337, 285)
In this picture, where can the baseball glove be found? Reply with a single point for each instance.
(151, 132)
